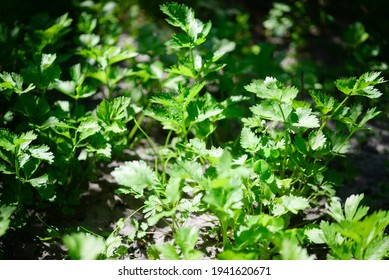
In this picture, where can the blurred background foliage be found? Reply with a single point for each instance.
(304, 42)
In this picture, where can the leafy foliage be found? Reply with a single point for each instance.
(180, 125)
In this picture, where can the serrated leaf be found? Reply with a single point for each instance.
(377, 249)
(25, 139)
(168, 251)
(249, 141)
(270, 110)
(291, 250)
(114, 114)
(316, 140)
(315, 235)
(294, 203)
(363, 86)
(346, 86)
(6, 140)
(42, 153)
(15, 82)
(193, 92)
(187, 169)
(5, 215)
(39, 181)
(179, 15)
(47, 60)
(112, 243)
(83, 246)
(182, 69)
(369, 115)
(325, 103)
(135, 175)
(335, 211)
(303, 117)
(352, 210)
(272, 89)
(116, 54)
(87, 128)
(186, 239)
(183, 17)
(225, 46)
(55, 32)
(66, 87)
(173, 190)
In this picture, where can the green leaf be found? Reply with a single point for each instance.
(272, 89)
(82, 246)
(270, 110)
(6, 140)
(25, 139)
(183, 17)
(231, 255)
(44, 186)
(47, 60)
(249, 141)
(316, 140)
(13, 81)
(224, 46)
(168, 251)
(315, 235)
(43, 153)
(115, 114)
(302, 117)
(52, 34)
(39, 181)
(363, 86)
(291, 250)
(187, 169)
(325, 103)
(294, 203)
(87, 128)
(173, 190)
(301, 145)
(183, 69)
(116, 54)
(135, 175)
(352, 210)
(346, 86)
(193, 92)
(378, 249)
(5, 215)
(356, 34)
(335, 211)
(66, 87)
(369, 115)
(186, 239)
(198, 146)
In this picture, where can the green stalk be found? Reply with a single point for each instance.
(224, 227)
(286, 143)
(333, 113)
(135, 128)
(108, 83)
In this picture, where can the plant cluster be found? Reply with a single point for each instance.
(68, 108)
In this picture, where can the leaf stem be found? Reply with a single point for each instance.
(286, 143)
(333, 113)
